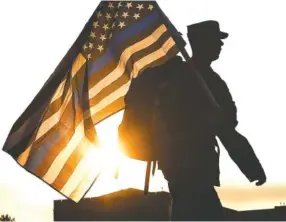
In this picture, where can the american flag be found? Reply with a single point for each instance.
(55, 138)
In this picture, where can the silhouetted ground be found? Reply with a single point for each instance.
(132, 204)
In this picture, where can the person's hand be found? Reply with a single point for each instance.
(260, 178)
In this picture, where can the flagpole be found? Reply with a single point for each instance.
(147, 177)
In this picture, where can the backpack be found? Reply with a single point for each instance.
(137, 137)
(166, 93)
(135, 131)
(160, 95)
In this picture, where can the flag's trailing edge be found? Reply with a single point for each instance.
(55, 138)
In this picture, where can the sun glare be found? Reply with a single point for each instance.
(119, 171)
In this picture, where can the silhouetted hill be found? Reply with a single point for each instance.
(132, 204)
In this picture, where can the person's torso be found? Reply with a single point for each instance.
(188, 142)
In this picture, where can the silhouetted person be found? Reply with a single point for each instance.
(205, 39)
(165, 109)
(190, 162)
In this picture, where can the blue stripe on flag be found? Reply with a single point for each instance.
(119, 39)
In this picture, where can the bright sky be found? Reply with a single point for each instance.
(35, 35)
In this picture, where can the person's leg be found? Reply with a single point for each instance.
(190, 203)
(209, 207)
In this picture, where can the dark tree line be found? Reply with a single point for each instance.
(6, 217)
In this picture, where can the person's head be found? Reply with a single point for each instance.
(206, 40)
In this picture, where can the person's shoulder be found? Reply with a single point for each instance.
(171, 62)
(156, 73)
(175, 61)
(173, 66)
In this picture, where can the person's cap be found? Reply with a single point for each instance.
(206, 29)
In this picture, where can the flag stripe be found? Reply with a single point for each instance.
(119, 104)
(74, 160)
(115, 74)
(90, 161)
(123, 89)
(111, 87)
(108, 67)
(77, 77)
(77, 64)
(23, 158)
(169, 54)
(48, 147)
(50, 121)
(59, 91)
(139, 65)
(63, 156)
(54, 119)
(20, 147)
(77, 85)
(86, 182)
(114, 106)
(46, 154)
(54, 107)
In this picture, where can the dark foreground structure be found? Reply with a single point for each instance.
(133, 205)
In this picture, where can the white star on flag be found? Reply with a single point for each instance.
(105, 27)
(95, 24)
(100, 47)
(140, 7)
(102, 37)
(129, 5)
(136, 16)
(125, 14)
(121, 24)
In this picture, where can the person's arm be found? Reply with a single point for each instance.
(242, 153)
(228, 106)
(237, 146)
